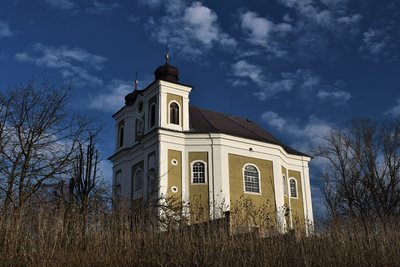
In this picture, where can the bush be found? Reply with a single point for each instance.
(51, 235)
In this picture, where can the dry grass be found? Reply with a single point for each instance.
(47, 236)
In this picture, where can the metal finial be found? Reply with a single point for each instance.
(166, 54)
(136, 81)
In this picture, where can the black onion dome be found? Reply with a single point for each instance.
(167, 72)
(130, 98)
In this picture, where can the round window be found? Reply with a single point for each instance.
(140, 127)
(174, 162)
(174, 189)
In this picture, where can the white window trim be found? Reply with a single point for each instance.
(121, 131)
(205, 172)
(290, 189)
(137, 192)
(259, 179)
(155, 116)
(179, 125)
(138, 131)
(117, 183)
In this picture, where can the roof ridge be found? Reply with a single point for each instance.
(244, 128)
(232, 118)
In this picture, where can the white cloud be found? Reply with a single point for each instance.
(257, 28)
(190, 29)
(5, 30)
(307, 135)
(203, 21)
(376, 44)
(133, 18)
(339, 97)
(332, 14)
(303, 80)
(61, 4)
(394, 111)
(113, 98)
(102, 8)
(244, 69)
(264, 33)
(151, 3)
(71, 62)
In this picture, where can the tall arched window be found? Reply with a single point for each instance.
(117, 184)
(251, 179)
(152, 115)
(174, 113)
(138, 180)
(198, 173)
(121, 135)
(293, 187)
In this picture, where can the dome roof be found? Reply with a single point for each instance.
(167, 72)
(131, 97)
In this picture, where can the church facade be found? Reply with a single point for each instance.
(205, 160)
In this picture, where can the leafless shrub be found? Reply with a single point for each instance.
(362, 179)
(46, 236)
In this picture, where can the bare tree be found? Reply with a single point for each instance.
(363, 175)
(85, 186)
(38, 139)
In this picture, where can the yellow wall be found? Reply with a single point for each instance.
(297, 203)
(175, 177)
(179, 100)
(252, 208)
(198, 193)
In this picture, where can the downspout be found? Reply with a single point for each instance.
(305, 199)
(213, 172)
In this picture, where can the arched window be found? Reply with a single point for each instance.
(251, 179)
(138, 180)
(198, 173)
(121, 135)
(174, 113)
(285, 188)
(117, 184)
(293, 187)
(152, 115)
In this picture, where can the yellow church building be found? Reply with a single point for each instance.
(167, 149)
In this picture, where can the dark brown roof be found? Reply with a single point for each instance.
(206, 121)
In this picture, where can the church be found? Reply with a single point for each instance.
(206, 161)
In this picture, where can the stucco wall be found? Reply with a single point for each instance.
(198, 193)
(257, 209)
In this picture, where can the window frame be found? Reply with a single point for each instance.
(192, 172)
(135, 183)
(290, 187)
(121, 134)
(169, 113)
(244, 179)
(117, 184)
(152, 115)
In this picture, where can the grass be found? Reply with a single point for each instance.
(49, 236)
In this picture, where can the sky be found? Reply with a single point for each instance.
(298, 68)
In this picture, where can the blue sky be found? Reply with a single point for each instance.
(296, 67)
